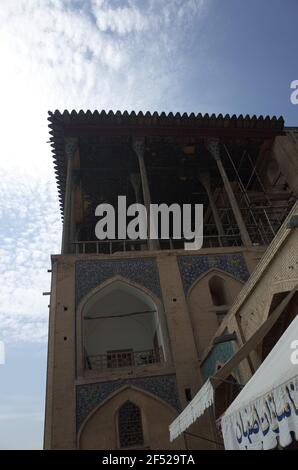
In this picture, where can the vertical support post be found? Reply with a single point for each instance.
(68, 219)
(72, 234)
(135, 180)
(213, 147)
(205, 180)
(139, 147)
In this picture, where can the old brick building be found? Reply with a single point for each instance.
(132, 323)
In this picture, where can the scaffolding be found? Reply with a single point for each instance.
(262, 213)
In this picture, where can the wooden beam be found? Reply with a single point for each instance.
(252, 342)
(169, 131)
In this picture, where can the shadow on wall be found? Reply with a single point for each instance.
(209, 300)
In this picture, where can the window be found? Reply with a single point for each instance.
(217, 291)
(120, 358)
(130, 427)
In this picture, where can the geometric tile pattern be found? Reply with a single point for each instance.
(192, 267)
(89, 396)
(91, 273)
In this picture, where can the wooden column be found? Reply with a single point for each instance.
(213, 147)
(72, 229)
(205, 180)
(135, 180)
(68, 214)
(139, 148)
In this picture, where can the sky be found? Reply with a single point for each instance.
(208, 56)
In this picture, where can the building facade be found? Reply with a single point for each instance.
(132, 322)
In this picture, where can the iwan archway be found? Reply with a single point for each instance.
(121, 327)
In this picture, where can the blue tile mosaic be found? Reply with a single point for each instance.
(192, 267)
(89, 396)
(91, 273)
(220, 354)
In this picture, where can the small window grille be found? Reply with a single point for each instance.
(120, 358)
(130, 427)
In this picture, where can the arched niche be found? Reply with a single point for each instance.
(121, 326)
(205, 304)
(100, 430)
(218, 291)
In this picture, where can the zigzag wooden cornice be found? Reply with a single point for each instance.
(87, 123)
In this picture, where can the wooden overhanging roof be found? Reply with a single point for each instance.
(85, 124)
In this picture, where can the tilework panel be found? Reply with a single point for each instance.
(192, 267)
(221, 353)
(89, 396)
(91, 273)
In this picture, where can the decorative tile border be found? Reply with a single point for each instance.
(192, 267)
(91, 273)
(89, 396)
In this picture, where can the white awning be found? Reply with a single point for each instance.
(266, 410)
(202, 400)
(205, 396)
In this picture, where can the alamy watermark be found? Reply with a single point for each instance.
(294, 94)
(294, 354)
(186, 222)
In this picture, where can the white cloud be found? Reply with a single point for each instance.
(30, 225)
(121, 20)
(69, 54)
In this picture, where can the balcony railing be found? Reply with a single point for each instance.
(109, 246)
(119, 359)
(115, 246)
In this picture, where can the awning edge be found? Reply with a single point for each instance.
(202, 400)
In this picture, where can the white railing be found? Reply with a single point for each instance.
(119, 359)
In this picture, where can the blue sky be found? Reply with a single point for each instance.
(221, 56)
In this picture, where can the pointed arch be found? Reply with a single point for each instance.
(86, 299)
(208, 300)
(120, 324)
(100, 427)
(213, 272)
